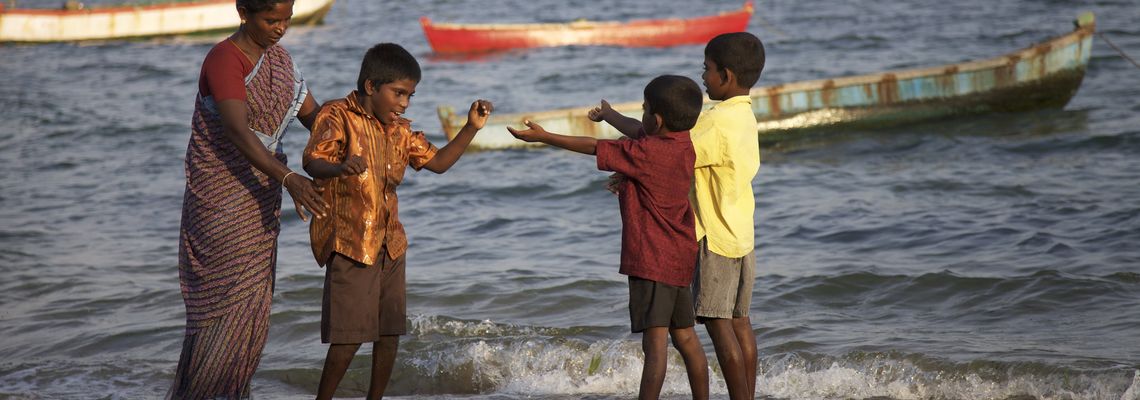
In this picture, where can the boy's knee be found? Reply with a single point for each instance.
(343, 350)
(387, 342)
(654, 339)
(682, 338)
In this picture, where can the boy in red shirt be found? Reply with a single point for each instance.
(658, 247)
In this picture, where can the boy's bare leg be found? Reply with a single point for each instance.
(742, 326)
(653, 342)
(696, 363)
(336, 363)
(729, 356)
(383, 358)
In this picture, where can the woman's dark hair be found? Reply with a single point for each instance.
(740, 52)
(676, 99)
(387, 63)
(257, 6)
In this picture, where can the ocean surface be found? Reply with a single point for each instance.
(991, 257)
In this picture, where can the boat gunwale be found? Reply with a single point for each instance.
(1032, 51)
(316, 11)
(427, 23)
(112, 9)
(1074, 36)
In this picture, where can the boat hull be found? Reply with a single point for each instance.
(40, 25)
(467, 38)
(1046, 75)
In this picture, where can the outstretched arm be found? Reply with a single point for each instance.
(535, 133)
(626, 125)
(450, 153)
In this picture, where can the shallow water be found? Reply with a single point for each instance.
(980, 258)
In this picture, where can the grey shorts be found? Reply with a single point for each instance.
(363, 302)
(655, 304)
(722, 286)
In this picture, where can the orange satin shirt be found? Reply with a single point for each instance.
(363, 215)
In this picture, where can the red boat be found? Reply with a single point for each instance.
(468, 38)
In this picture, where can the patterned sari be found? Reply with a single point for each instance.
(227, 249)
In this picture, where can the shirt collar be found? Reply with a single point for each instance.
(737, 99)
(355, 106)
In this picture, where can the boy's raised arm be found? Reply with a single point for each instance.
(626, 125)
(450, 153)
(580, 144)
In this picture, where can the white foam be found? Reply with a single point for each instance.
(421, 325)
(1133, 392)
(511, 359)
(517, 360)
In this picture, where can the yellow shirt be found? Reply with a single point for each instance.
(728, 156)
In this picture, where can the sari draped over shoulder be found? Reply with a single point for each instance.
(227, 248)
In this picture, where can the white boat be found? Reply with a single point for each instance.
(76, 23)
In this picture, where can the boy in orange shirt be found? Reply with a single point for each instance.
(358, 152)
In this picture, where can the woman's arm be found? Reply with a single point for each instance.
(236, 126)
(308, 112)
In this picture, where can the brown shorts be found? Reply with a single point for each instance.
(655, 304)
(722, 286)
(361, 302)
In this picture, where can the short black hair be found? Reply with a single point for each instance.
(387, 63)
(676, 99)
(258, 6)
(740, 52)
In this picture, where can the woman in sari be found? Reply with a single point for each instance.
(249, 92)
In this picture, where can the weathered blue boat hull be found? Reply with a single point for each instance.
(1046, 75)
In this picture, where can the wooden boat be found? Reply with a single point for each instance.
(464, 38)
(31, 25)
(1045, 75)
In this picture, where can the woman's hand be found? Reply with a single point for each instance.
(306, 196)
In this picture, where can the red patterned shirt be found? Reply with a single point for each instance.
(658, 238)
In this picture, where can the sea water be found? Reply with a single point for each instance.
(990, 257)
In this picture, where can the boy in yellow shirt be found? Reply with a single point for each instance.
(728, 157)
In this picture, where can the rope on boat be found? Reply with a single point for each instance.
(1118, 50)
